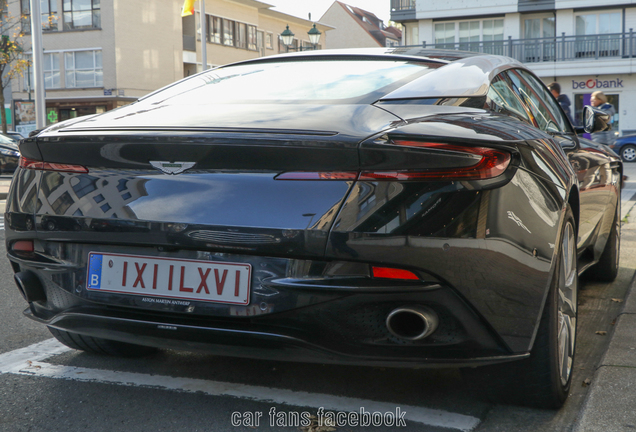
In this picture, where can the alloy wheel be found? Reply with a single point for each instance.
(567, 303)
(629, 154)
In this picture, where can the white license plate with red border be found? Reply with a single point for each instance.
(219, 282)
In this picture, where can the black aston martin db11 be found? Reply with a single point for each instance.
(396, 207)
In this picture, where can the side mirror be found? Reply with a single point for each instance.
(595, 120)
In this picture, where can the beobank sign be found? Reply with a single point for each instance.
(592, 84)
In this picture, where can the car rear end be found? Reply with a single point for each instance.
(318, 230)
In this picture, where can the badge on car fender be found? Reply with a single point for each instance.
(172, 168)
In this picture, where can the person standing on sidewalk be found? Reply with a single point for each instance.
(599, 101)
(563, 100)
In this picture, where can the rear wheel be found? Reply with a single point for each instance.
(542, 380)
(100, 346)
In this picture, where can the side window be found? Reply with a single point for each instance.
(503, 100)
(541, 114)
(546, 96)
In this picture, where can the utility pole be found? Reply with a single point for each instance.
(38, 73)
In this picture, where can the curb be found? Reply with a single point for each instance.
(609, 405)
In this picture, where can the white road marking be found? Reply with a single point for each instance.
(27, 361)
(14, 360)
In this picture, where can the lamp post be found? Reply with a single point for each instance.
(288, 38)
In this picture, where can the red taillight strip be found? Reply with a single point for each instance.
(393, 273)
(48, 166)
(345, 175)
(492, 163)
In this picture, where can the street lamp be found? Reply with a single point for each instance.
(314, 35)
(288, 38)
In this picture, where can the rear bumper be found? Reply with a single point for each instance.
(246, 343)
(286, 319)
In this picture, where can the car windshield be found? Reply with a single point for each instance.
(6, 140)
(336, 81)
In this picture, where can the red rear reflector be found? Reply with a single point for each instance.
(346, 175)
(23, 246)
(492, 163)
(48, 166)
(393, 273)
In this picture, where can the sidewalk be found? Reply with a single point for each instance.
(611, 401)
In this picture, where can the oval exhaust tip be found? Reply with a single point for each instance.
(29, 286)
(412, 323)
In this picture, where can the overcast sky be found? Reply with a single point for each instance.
(300, 8)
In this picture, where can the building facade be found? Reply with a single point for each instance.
(584, 45)
(357, 28)
(99, 55)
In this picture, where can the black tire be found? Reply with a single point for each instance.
(543, 380)
(606, 269)
(628, 153)
(101, 346)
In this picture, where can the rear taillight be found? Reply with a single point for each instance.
(48, 166)
(492, 163)
(473, 163)
(23, 246)
(393, 273)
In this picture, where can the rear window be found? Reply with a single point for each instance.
(311, 81)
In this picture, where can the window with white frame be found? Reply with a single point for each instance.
(84, 69)
(269, 41)
(444, 33)
(539, 31)
(51, 67)
(536, 26)
(51, 70)
(492, 30)
(599, 23)
(589, 25)
(469, 32)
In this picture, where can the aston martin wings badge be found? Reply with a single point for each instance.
(172, 168)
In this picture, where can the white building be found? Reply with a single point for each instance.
(584, 45)
(357, 28)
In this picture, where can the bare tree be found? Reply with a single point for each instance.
(12, 62)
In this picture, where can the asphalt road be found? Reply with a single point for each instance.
(44, 388)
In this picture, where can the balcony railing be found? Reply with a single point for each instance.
(400, 5)
(559, 48)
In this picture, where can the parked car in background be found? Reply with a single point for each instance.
(15, 136)
(625, 147)
(9, 155)
(391, 207)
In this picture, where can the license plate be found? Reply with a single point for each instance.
(219, 282)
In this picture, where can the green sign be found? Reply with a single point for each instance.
(52, 116)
